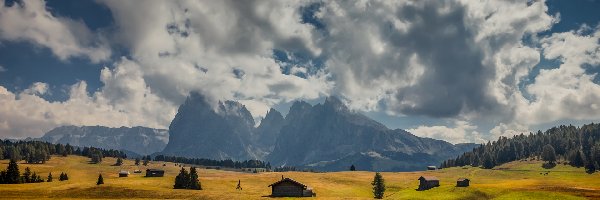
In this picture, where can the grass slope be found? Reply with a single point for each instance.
(516, 180)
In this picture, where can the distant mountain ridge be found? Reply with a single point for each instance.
(325, 136)
(139, 140)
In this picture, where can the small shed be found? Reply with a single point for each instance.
(431, 168)
(123, 173)
(137, 171)
(155, 173)
(428, 182)
(288, 187)
(462, 182)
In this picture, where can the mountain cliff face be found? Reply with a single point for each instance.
(267, 132)
(200, 131)
(325, 136)
(328, 136)
(140, 140)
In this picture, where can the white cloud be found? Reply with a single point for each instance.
(460, 132)
(30, 21)
(186, 46)
(566, 92)
(2, 69)
(37, 88)
(26, 114)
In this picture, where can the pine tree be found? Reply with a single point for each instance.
(66, 177)
(181, 180)
(100, 180)
(34, 177)
(119, 162)
(13, 175)
(475, 162)
(61, 177)
(146, 160)
(194, 183)
(39, 179)
(352, 168)
(577, 160)
(378, 186)
(549, 154)
(590, 167)
(488, 163)
(49, 177)
(137, 161)
(27, 175)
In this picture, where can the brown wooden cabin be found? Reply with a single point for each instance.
(462, 182)
(123, 174)
(288, 187)
(428, 182)
(155, 173)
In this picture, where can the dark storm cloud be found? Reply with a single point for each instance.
(454, 78)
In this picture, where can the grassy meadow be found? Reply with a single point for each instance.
(515, 180)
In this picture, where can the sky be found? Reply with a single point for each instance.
(460, 71)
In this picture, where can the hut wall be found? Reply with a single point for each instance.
(425, 185)
(464, 183)
(286, 189)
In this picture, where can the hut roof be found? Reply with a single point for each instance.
(429, 178)
(463, 179)
(288, 180)
(124, 172)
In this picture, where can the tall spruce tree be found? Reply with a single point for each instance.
(577, 160)
(194, 183)
(13, 176)
(119, 162)
(100, 180)
(182, 179)
(488, 162)
(27, 175)
(378, 186)
(49, 177)
(548, 154)
(352, 168)
(137, 161)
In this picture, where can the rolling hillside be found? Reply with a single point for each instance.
(514, 180)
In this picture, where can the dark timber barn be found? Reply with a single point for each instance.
(428, 182)
(155, 173)
(288, 187)
(462, 182)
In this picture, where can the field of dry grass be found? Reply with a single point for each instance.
(516, 180)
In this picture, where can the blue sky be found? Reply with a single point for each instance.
(466, 74)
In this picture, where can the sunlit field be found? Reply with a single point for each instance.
(516, 180)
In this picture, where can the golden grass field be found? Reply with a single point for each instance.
(516, 180)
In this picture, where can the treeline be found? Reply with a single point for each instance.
(220, 163)
(579, 147)
(40, 152)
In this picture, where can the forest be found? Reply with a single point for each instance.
(576, 146)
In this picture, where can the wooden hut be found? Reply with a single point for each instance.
(462, 182)
(155, 173)
(123, 173)
(288, 187)
(431, 168)
(428, 182)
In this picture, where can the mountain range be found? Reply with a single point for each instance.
(327, 136)
(137, 140)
